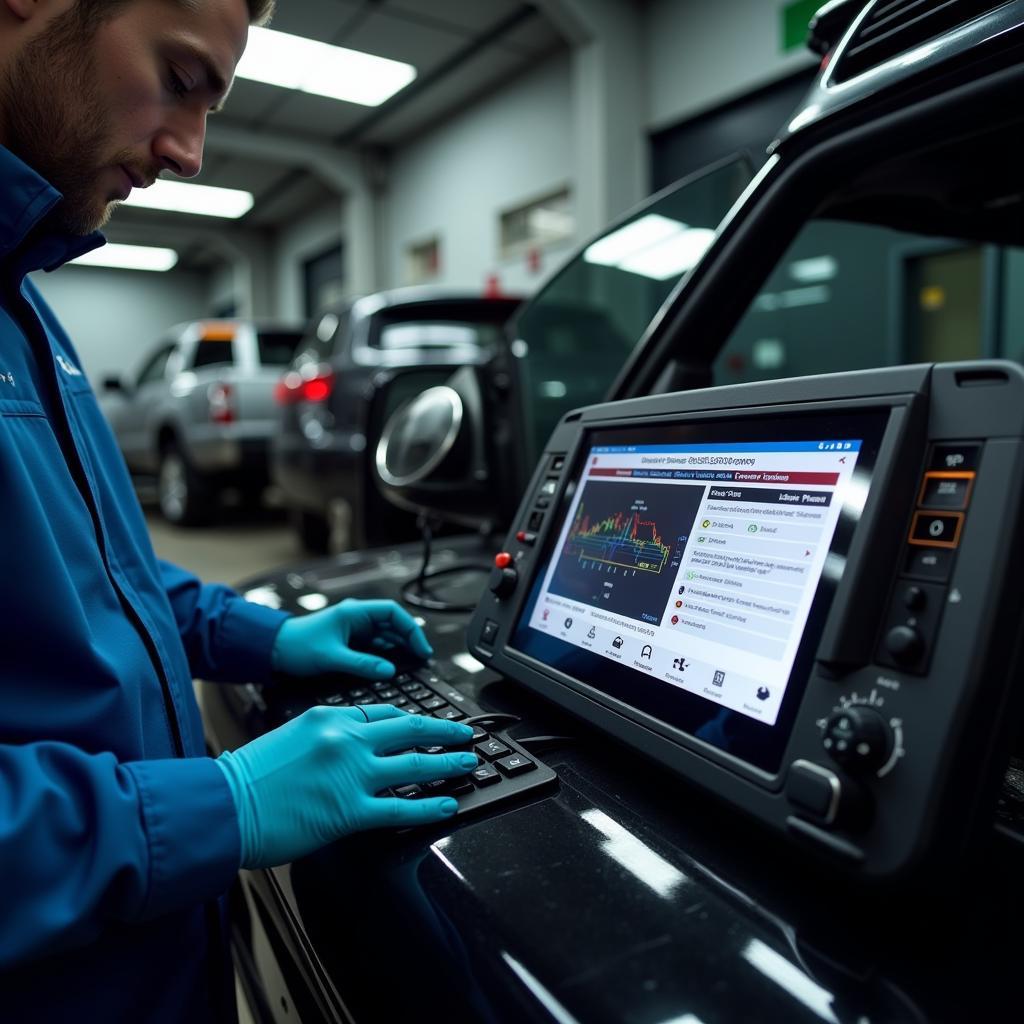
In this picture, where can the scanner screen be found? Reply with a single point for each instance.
(685, 570)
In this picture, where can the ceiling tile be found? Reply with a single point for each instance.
(316, 19)
(456, 15)
(477, 75)
(536, 36)
(316, 116)
(389, 35)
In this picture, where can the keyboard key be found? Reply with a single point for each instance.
(459, 787)
(449, 714)
(408, 792)
(357, 693)
(431, 750)
(420, 694)
(409, 685)
(380, 684)
(412, 708)
(491, 749)
(433, 703)
(515, 764)
(390, 694)
(336, 700)
(479, 733)
(400, 702)
(485, 775)
(402, 677)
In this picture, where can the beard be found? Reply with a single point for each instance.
(54, 121)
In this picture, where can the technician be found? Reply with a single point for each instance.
(118, 836)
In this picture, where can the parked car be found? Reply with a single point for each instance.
(885, 227)
(319, 454)
(200, 412)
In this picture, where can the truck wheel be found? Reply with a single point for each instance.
(314, 531)
(183, 497)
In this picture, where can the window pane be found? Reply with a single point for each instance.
(276, 348)
(213, 353)
(438, 334)
(850, 296)
(574, 337)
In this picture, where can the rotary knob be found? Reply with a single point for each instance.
(858, 738)
(905, 644)
(503, 580)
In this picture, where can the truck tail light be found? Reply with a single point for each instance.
(222, 403)
(297, 387)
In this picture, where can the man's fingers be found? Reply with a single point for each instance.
(389, 614)
(408, 731)
(402, 769)
(390, 810)
(369, 666)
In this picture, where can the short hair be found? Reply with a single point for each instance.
(90, 12)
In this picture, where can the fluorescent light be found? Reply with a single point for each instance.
(306, 65)
(611, 250)
(129, 257)
(654, 246)
(181, 197)
(814, 269)
(673, 256)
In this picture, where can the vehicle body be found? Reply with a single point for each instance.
(627, 895)
(200, 412)
(325, 400)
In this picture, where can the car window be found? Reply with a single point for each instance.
(277, 348)
(154, 369)
(213, 352)
(573, 338)
(438, 334)
(848, 296)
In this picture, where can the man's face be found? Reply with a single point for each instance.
(99, 116)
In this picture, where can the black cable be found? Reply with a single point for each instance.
(497, 716)
(412, 590)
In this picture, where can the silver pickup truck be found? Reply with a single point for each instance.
(200, 412)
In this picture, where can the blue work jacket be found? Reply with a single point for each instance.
(118, 836)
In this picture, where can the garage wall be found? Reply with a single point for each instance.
(702, 54)
(511, 147)
(307, 237)
(114, 316)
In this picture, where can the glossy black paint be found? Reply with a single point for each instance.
(623, 895)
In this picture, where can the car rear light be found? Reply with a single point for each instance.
(222, 404)
(297, 387)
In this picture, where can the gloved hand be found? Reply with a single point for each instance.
(313, 780)
(310, 644)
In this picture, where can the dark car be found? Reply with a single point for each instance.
(885, 227)
(320, 451)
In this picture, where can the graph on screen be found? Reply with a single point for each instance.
(624, 545)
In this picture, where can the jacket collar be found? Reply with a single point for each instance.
(26, 241)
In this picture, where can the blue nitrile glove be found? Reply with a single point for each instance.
(311, 644)
(314, 780)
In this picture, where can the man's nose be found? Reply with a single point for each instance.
(180, 149)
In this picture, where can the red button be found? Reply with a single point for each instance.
(503, 560)
(521, 536)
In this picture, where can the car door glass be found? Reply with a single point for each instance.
(848, 296)
(437, 334)
(154, 369)
(213, 352)
(575, 335)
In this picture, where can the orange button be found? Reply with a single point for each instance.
(936, 529)
(503, 560)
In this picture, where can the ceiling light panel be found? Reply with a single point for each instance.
(181, 197)
(306, 65)
(129, 257)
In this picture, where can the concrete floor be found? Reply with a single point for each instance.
(235, 547)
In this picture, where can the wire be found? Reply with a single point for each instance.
(496, 717)
(412, 590)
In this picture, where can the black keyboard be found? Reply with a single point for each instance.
(506, 769)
